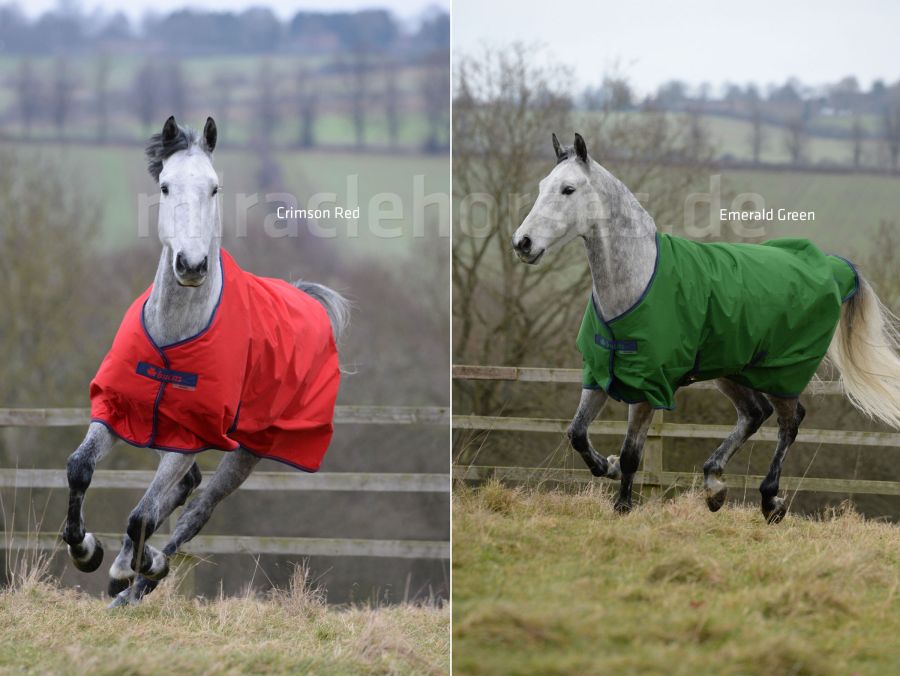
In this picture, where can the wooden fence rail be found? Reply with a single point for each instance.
(268, 481)
(653, 474)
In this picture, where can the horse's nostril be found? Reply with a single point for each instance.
(203, 266)
(180, 265)
(525, 244)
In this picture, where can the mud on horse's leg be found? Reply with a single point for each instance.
(85, 549)
(233, 469)
(790, 415)
(752, 409)
(589, 407)
(639, 416)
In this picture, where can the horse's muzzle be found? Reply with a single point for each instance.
(187, 274)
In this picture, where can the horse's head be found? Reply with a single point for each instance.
(188, 209)
(565, 205)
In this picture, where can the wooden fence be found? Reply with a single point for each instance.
(653, 474)
(268, 481)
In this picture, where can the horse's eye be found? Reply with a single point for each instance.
(165, 189)
(568, 190)
(215, 191)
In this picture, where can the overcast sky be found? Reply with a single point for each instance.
(654, 41)
(404, 9)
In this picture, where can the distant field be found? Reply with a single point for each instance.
(334, 124)
(731, 139)
(848, 207)
(558, 583)
(115, 176)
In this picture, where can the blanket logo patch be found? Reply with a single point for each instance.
(179, 379)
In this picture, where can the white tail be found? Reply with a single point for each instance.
(864, 351)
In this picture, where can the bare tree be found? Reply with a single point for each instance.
(307, 100)
(857, 137)
(145, 95)
(176, 89)
(757, 130)
(224, 83)
(267, 114)
(436, 94)
(890, 124)
(359, 91)
(101, 95)
(391, 96)
(796, 138)
(29, 94)
(62, 95)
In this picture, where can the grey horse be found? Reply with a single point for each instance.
(581, 199)
(184, 295)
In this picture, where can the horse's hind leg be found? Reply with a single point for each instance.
(639, 416)
(122, 570)
(234, 468)
(85, 550)
(589, 407)
(790, 414)
(171, 483)
(752, 410)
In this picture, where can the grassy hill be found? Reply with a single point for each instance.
(557, 583)
(44, 629)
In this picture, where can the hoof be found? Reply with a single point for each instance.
(776, 511)
(613, 471)
(716, 492)
(158, 568)
(623, 506)
(92, 559)
(123, 599)
(117, 586)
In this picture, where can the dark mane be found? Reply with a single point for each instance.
(158, 150)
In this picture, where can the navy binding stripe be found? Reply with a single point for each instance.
(177, 378)
(624, 346)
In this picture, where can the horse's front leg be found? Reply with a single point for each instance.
(234, 468)
(85, 549)
(153, 509)
(589, 407)
(639, 416)
(172, 478)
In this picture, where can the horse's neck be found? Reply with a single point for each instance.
(622, 250)
(174, 312)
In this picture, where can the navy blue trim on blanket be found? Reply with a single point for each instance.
(191, 451)
(624, 346)
(855, 279)
(181, 379)
(161, 352)
(643, 293)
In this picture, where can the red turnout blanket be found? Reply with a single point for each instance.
(263, 375)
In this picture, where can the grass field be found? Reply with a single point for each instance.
(557, 583)
(44, 629)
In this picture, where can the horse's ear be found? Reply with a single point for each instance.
(170, 130)
(581, 148)
(557, 148)
(210, 134)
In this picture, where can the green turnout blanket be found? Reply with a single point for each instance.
(762, 315)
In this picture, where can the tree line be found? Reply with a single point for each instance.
(844, 110)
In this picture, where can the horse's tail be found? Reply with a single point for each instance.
(864, 350)
(337, 307)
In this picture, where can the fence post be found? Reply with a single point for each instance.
(653, 455)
